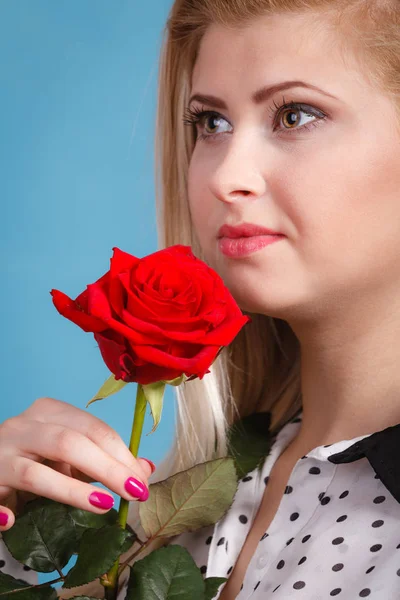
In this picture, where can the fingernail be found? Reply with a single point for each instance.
(3, 519)
(101, 500)
(152, 465)
(137, 489)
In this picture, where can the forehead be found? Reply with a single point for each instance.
(273, 48)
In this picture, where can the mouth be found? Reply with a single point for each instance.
(243, 246)
(246, 230)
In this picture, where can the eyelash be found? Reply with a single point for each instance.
(195, 116)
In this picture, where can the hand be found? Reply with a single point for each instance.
(56, 450)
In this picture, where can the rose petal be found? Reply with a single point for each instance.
(196, 365)
(122, 261)
(74, 311)
(111, 351)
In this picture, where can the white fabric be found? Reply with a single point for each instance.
(344, 544)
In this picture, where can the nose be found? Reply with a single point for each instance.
(238, 176)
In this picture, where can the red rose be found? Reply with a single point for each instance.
(156, 317)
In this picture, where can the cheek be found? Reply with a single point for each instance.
(198, 203)
(347, 216)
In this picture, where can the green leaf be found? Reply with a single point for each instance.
(81, 598)
(43, 537)
(189, 499)
(177, 381)
(154, 393)
(8, 584)
(166, 574)
(98, 550)
(212, 586)
(250, 442)
(109, 387)
(84, 519)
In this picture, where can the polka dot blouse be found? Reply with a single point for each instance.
(336, 532)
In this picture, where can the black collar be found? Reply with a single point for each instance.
(382, 449)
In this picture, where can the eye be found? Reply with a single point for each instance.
(195, 116)
(287, 114)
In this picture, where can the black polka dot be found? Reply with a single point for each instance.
(305, 456)
(379, 499)
(203, 569)
(294, 516)
(314, 471)
(342, 518)
(364, 593)
(26, 568)
(288, 489)
(376, 547)
(243, 519)
(297, 420)
(398, 572)
(226, 546)
(369, 570)
(327, 445)
(241, 587)
(221, 541)
(344, 494)
(306, 538)
(2, 563)
(280, 564)
(335, 592)
(337, 567)
(257, 585)
(209, 540)
(321, 495)
(266, 479)
(303, 559)
(299, 585)
(289, 541)
(398, 546)
(264, 536)
(229, 570)
(277, 588)
(325, 500)
(248, 478)
(337, 541)
(378, 523)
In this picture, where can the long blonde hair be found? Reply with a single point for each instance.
(260, 370)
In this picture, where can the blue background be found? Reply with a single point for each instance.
(78, 84)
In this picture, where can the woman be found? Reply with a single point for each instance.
(302, 136)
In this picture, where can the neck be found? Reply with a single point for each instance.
(350, 381)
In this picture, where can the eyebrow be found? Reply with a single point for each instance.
(261, 95)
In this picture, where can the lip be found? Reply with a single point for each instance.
(243, 246)
(245, 230)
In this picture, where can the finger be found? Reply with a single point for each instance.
(68, 470)
(7, 518)
(39, 479)
(50, 410)
(60, 444)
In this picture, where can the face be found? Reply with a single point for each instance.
(324, 172)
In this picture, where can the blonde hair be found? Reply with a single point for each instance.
(260, 370)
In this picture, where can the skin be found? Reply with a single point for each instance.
(57, 451)
(333, 190)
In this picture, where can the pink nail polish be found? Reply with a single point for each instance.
(101, 500)
(3, 519)
(136, 489)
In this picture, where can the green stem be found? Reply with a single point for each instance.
(111, 587)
